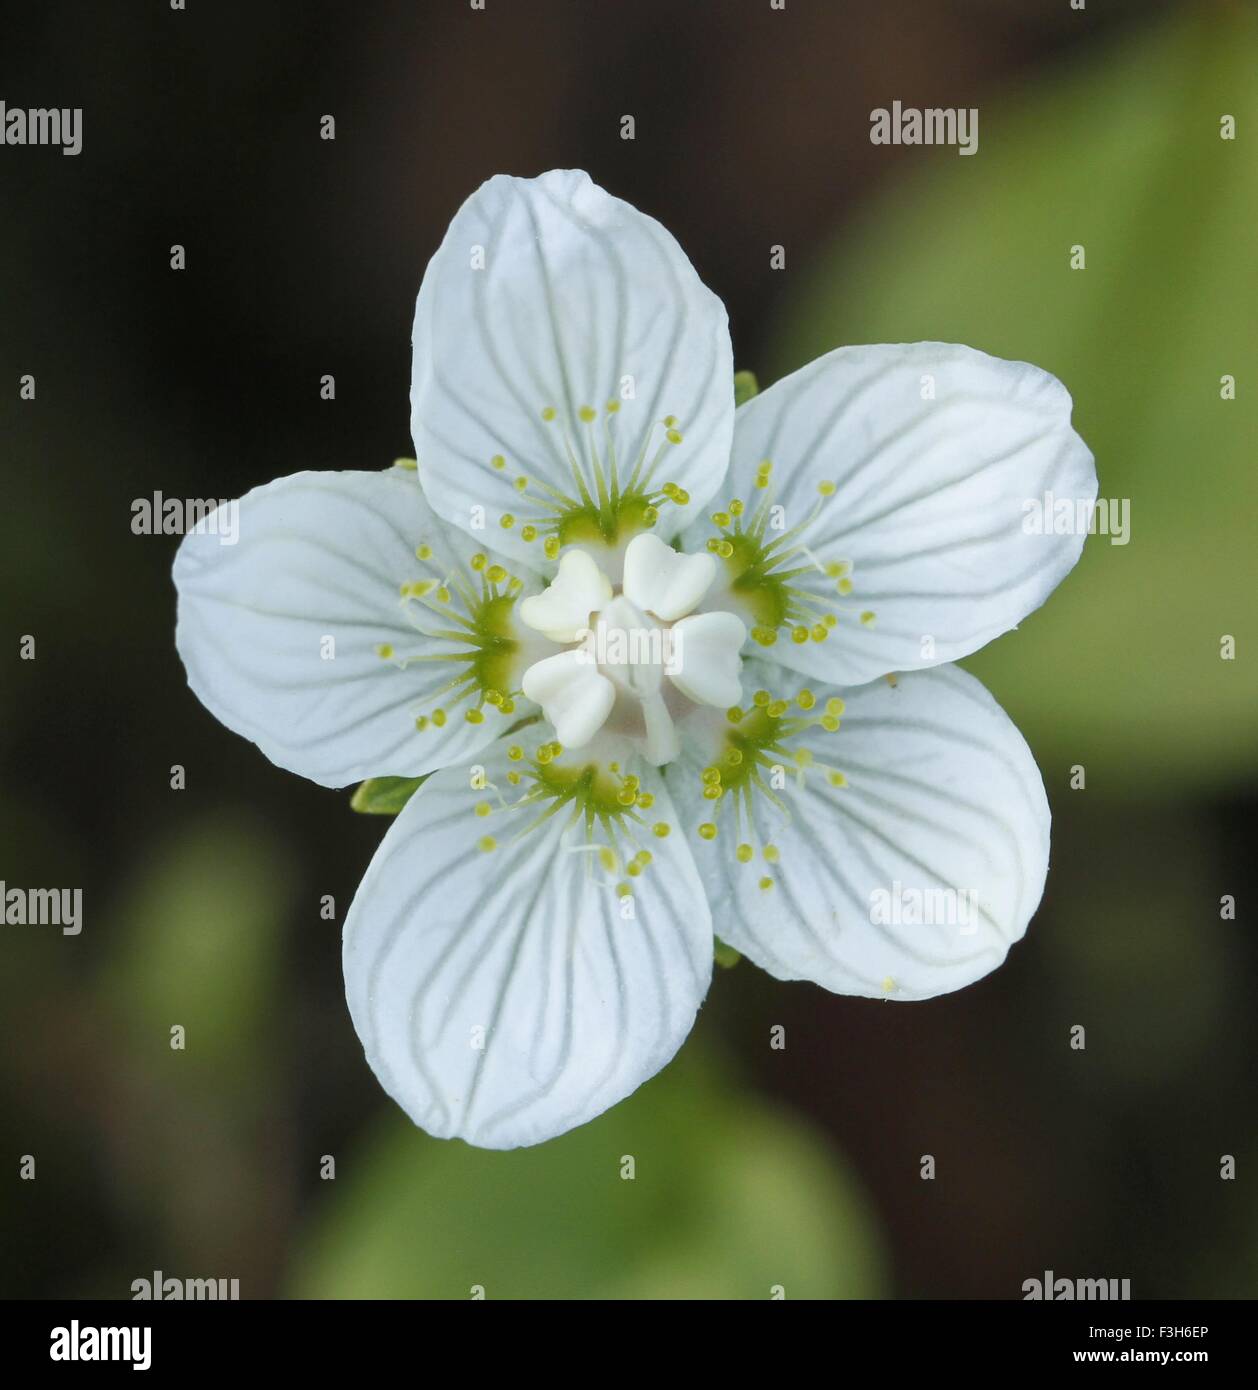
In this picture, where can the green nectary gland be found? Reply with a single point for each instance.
(610, 524)
(493, 660)
(590, 786)
(755, 736)
(751, 577)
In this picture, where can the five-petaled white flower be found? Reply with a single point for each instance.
(613, 618)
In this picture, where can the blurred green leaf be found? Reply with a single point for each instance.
(729, 1197)
(1120, 153)
(384, 796)
(198, 938)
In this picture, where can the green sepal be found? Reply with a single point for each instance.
(723, 955)
(384, 796)
(745, 386)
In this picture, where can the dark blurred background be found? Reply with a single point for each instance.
(1098, 127)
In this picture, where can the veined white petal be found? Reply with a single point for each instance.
(282, 633)
(911, 878)
(562, 610)
(663, 581)
(575, 696)
(938, 456)
(547, 302)
(506, 997)
(707, 649)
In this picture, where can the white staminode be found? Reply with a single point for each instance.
(627, 643)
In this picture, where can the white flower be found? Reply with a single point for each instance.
(633, 745)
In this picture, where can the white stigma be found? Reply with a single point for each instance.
(638, 658)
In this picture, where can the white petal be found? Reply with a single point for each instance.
(575, 696)
(562, 611)
(503, 997)
(280, 632)
(580, 298)
(943, 816)
(931, 497)
(663, 581)
(707, 653)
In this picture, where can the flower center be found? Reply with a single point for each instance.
(637, 659)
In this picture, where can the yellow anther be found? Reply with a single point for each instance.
(830, 723)
(711, 775)
(721, 519)
(521, 483)
(836, 779)
(528, 533)
(734, 757)
(844, 586)
(486, 844)
(423, 552)
(634, 869)
(765, 636)
(498, 461)
(670, 421)
(805, 699)
(474, 716)
(626, 796)
(660, 829)
(772, 854)
(507, 706)
(766, 884)
(588, 413)
(744, 854)
(777, 709)
(725, 549)
(548, 413)
(803, 757)
(799, 635)
(820, 632)
(613, 407)
(551, 547)
(834, 705)
(707, 831)
(830, 619)
(493, 697)
(495, 574)
(483, 808)
(607, 858)
(650, 515)
(384, 651)
(867, 618)
(762, 698)
(515, 752)
(826, 488)
(736, 506)
(443, 594)
(506, 521)
(712, 792)
(643, 857)
(645, 801)
(733, 714)
(479, 561)
(623, 890)
(422, 722)
(439, 718)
